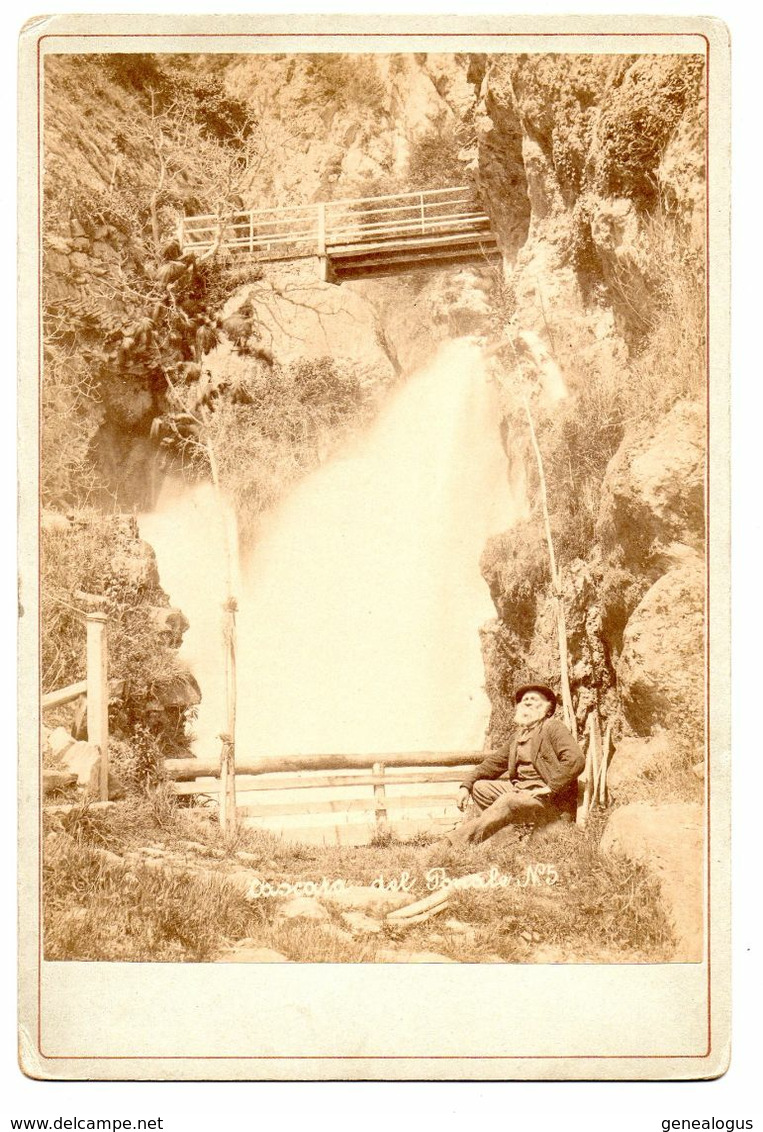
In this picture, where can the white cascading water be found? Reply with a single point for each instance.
(359, 608)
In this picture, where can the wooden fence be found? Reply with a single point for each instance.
(268, 777)
(268, 780)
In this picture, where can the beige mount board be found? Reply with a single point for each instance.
(573, 247)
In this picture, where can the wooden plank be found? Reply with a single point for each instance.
(65, 695)
(387, 268)
(410, 244)
(370, 269)
(344, 806)
(414, 225)
(98, 695)
(185, 769)
(400, 257)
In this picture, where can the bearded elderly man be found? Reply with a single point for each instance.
(532, 778)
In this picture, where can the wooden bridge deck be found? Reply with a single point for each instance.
(353, 239)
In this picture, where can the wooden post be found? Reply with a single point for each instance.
(585, 784)
(98, 695)
(380, 798)
(421, 202)
(251, 231)
(604, 763)
(323, 264)
(228, 753)
(227, 787)
(595, 748)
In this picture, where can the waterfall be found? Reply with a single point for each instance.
(359, 607)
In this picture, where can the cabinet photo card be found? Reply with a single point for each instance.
(374, 548)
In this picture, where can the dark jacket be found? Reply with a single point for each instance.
(555, 755)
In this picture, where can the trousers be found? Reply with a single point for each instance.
(502, 804)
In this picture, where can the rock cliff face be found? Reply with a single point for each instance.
(605, 148)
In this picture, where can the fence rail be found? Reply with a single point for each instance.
(183, 770)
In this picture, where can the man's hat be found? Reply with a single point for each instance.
(542, 688)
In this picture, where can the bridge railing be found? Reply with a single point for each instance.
(256, 230)
(425, 213)
(317, 228)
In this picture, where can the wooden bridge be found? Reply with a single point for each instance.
(354, 239)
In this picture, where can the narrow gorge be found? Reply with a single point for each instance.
(356, 461)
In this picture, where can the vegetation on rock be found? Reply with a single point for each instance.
(101, 555)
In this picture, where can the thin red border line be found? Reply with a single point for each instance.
(380, 1057)
(382, 35)
(708, 776)
(40, 377)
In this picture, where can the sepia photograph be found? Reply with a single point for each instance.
(374, 401)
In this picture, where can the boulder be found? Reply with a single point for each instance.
(303, 907)
(56, 781)
(632, 757)
(669, 840)
(366, 898)
(171, 623)
(653, 505)
(83, 760)
(660, 674)
(59, 741)
(361, 924)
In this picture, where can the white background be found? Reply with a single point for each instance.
(392, 1107)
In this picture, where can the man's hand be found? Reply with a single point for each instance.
(464, 797)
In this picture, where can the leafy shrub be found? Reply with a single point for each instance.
(346, 81)
(123, 309)
(70, 414)
(102, 555)
(637, 120)
(433, 160)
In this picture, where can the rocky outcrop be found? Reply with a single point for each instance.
(660, 674)
(150, 690)
(633, 758)
(669, 840)
(308, 320)
(652, 512)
